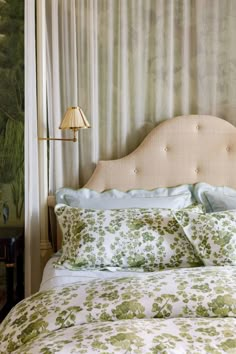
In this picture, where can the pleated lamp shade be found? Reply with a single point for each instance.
(74, 119)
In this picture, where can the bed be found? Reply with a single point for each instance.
(147, 263)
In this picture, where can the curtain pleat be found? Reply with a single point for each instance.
(32, 185)
(131, 64)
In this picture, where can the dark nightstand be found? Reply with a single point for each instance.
(12, 254)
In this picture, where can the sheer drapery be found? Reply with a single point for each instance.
(32, 185)
(131, 64)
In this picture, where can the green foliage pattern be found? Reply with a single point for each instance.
(174, 311)
(148, 239)
(212, 235)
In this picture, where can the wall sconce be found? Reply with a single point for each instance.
(73, 119)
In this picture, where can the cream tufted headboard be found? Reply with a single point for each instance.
(185, 149)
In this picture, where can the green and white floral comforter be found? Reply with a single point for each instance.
(173, 311)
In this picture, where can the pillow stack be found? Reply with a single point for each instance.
(134, 229)
(147, 230)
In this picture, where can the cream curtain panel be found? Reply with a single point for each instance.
(131, 64)
(32, 181)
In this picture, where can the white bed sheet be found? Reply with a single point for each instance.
(54, 277)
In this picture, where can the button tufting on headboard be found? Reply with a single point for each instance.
(206, 143)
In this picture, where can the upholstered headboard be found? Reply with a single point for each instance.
(182, 150)
(185, 149)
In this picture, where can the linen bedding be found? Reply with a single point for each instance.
(185, 310)
(106, 305)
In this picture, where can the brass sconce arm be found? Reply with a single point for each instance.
(62, 139)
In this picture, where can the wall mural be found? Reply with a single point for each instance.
(11, 112)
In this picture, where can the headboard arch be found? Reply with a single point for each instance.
(184, 149)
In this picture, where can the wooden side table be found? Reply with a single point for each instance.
(12, 254)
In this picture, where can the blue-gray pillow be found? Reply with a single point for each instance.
(220, 201)
(215, 198)
(174, 198)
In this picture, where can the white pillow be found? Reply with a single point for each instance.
(175, 197)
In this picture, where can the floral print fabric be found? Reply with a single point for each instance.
(173, 311)
(173, 336)
(127, 238)
(212, 235)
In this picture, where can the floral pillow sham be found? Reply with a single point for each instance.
(145, 238)
(213, 235)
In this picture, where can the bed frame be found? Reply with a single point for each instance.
(185, 149)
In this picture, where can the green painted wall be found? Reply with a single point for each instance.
(11, 112)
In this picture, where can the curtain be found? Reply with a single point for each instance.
(131, 64)
(32, 185)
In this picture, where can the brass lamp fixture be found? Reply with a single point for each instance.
(73, 119)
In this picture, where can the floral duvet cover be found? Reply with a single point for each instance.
(173, 311)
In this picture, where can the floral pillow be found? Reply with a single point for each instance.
(212, 235)
(127, 238)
